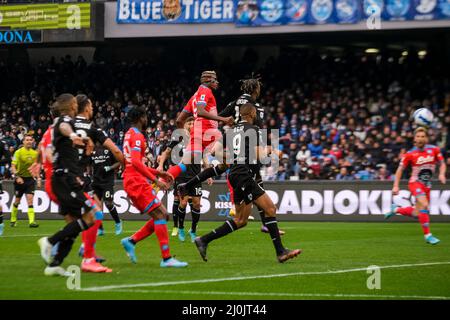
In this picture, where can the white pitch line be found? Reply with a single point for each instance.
(171, 283)
(286, 294)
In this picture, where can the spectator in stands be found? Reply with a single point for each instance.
(344, 174)
(315, 148)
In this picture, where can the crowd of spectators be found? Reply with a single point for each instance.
(340, 118)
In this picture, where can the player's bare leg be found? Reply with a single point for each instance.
(283, 254)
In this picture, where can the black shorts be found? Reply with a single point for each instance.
(191, 172)
(72, 198)
(87, 185)
(104, 192)
(27, 187)
(195, 191)
(245, 188)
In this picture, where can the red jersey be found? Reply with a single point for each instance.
(423, 163)
(46, 142)
(203, 97)
(134, 140)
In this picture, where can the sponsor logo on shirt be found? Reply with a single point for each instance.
(422, 160)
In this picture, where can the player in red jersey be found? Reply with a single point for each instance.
(137, 182)
(46, 151)
(204, 132)
(45, 158)
(423, 159)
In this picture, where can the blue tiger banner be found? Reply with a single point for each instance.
(278, 12)
(175, 11)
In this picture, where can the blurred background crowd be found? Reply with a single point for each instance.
(345, 118)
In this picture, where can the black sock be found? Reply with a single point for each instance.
(195, 218)
(113, 212)
(101, 226)
(1, 217)
(205, 175)
(228, 227)
(272, 225)
(176, 203)
(262, 215)
(63, 250)
(71, 230)
(181, 215)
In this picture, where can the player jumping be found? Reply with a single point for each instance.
(194, 193)
(423, 159)
(202, 106)
(242, 176)
(137, 179)
(251, 89)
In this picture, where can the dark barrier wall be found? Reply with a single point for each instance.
(295, 201)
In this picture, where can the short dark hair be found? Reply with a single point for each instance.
(190, 118)
(135, 113)
(62, 103)
(82, 101)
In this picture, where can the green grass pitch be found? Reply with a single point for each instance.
(243, 264)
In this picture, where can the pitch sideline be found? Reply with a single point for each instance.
(172, 283)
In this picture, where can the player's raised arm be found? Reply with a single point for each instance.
(111, 146)
(182, 117)
(228, 111)
(66, 130)
(201, 112)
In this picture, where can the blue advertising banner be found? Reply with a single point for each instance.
(321, 11)
(348, 11)
(20, 36)
(260, 12)
(297, 11)
(444, 9)
(278, 12)
(425, 9)
(175, 11)
(397, 10)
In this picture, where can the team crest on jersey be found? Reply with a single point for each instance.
(138, 143)
(106, 151)
(171, 9)
(202, 97)
(418, 190)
